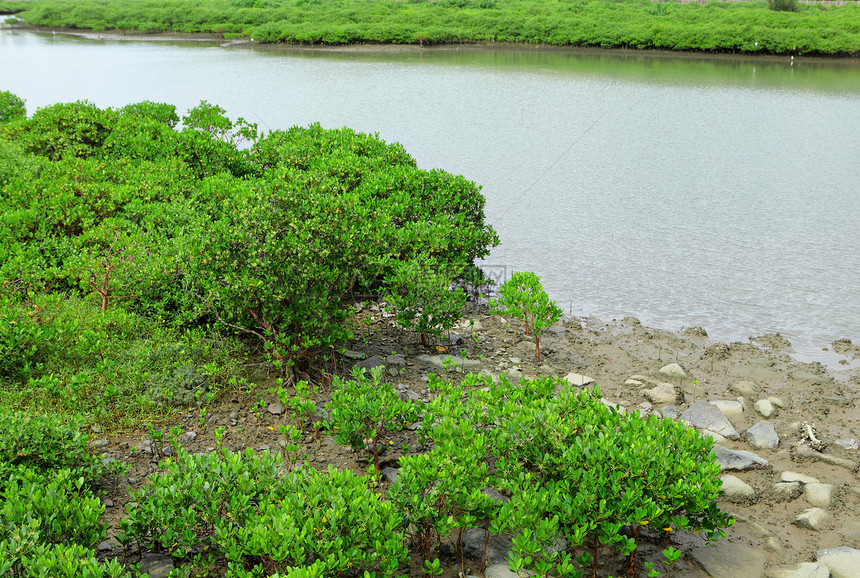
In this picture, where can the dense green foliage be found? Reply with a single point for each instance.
(713, 27)
(134, 254)
(49, 517)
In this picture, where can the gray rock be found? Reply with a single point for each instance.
(848, 444)
(802, 570)
(665, 393)
(764, 408)
(156, 565)
(499, 571)
(497, 548)
(495, 495)
(813, 519)
(276, 408)
(796, 477)
(704, 415)
(578, 379)
(739, 460)
(818, 495)
(736, 490)
(843, 562)
(673, 370)
(104, 546)
(397, 360)
(762, 436)
(747, 389)
(389, 475)
(725, 559)
(670, 411)
(785, 491)
(349, 354)
(370, 363)
(190, 436)
(438, 362)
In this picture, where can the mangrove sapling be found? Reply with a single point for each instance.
(522, 296)
(362, 409)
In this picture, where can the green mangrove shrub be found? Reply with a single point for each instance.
(522, 296)
(363, 409)
(263, 520)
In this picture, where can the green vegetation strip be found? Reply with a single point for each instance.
(774, 27)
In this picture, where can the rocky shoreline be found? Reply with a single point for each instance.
(786, 432)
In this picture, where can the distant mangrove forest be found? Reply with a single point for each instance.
(771, 27)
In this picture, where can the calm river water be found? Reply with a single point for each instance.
(720, 192)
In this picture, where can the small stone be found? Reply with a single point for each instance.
(762, 436)
(796, 477)
(736, 490)
(813, 519)
(167, 451)
(778, 401)
(495, 495)
(374, 361)
(156, 565)
(389, 474)
(734, 410)
(739, 460)
(670, 412)
(804, 451)
(234, 415)
(276, 408)
(746, 389)
(819, 495)
(802, 570)
(772, 544)
(349, 354)
(578, 380)
(104, 546)
(497, 547)
(848, 444)
(99, 443)
(499, 571)
(725, 559)
(785, 491)
(132, 481)
(665, 393)
(673, 370)
(764, 408)
(704, 415)
(107, 503)
(843, 562)
(190, 436)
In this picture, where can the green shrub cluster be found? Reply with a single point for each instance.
(50, 520)
(263, 520)
(574, 468)
(778, 26)
(126, 240)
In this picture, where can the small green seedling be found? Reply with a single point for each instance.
(523, 297)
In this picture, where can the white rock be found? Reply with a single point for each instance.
(764, 408)
(665, 393)
(819, 495)
(796, 477)
(778, 401)
(843, 562)
(578, 380)
(813, 519)
(736, 490)
(772, 544)
(499, 571)
(673, 370)
(848, 444)
(734, 410)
